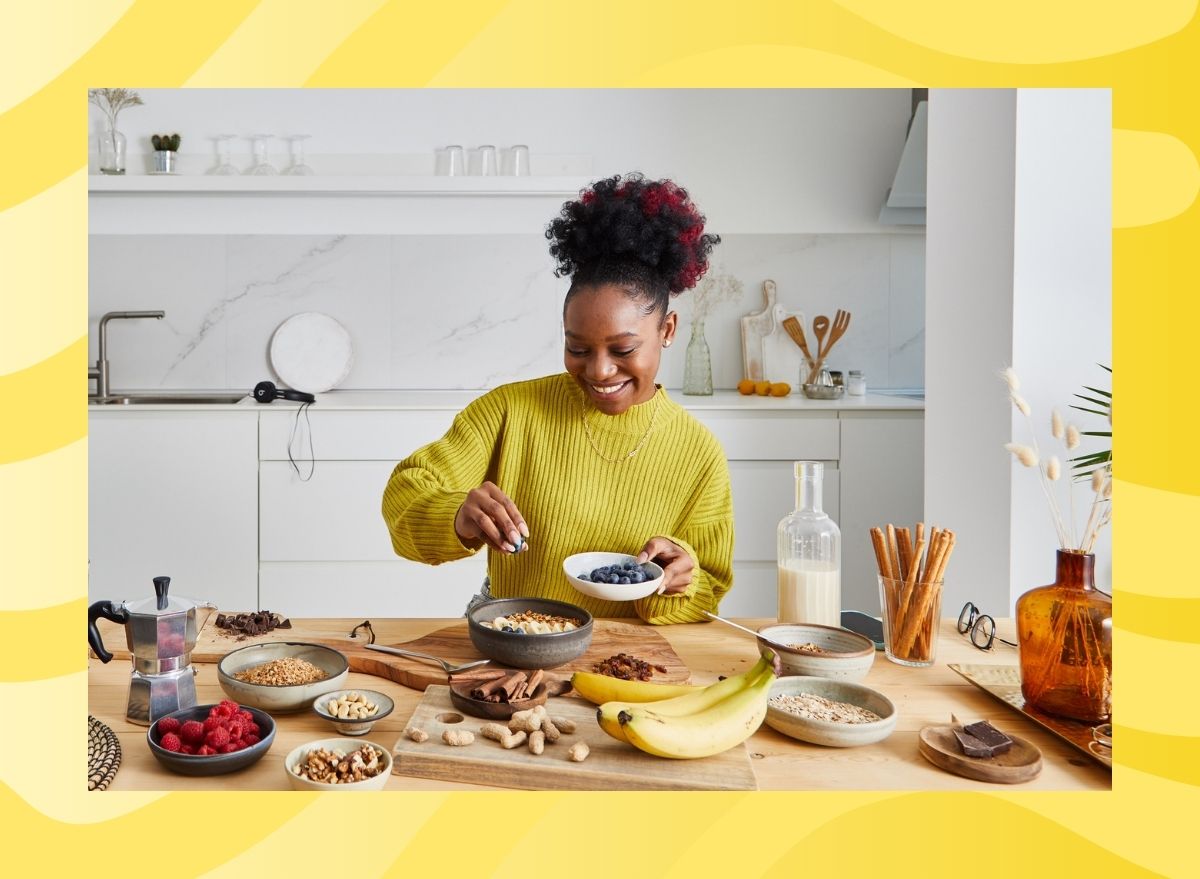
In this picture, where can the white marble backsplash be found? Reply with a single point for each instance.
(472, 311)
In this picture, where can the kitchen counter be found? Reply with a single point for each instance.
(922, 697)
(455, 400)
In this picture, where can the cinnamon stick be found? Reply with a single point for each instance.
(510, 684)
(535, 679)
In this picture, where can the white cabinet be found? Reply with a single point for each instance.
(173, 493)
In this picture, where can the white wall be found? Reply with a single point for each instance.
(969, 335)
(1062, 300)
(1018, 264)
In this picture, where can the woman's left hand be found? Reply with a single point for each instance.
(676, 564)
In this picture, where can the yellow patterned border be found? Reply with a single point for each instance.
(1148, 53)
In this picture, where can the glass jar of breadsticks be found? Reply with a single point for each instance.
(912, 568)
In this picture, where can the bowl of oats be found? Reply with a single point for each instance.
(837, 714)
(281, 676)
(819, 651)
(338, 765)
(529, 632)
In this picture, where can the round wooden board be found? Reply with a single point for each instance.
(1022, 762)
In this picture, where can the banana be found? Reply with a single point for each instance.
(598, 689)
(722, 726)
(700, 699)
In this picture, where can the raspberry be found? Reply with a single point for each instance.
(245, 717)
(171, 742)
(192, 732)
(251, 739)
(168, 725)
(187, 749)
(211, 722)
(229, 748)
(230, 703)
(205, 751)
(252, 728)
(235, 730)
(217, 738)
(224, 710)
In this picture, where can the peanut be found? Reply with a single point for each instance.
(511, 741)
(564, 724)
(417, 735)
(495, 731)
(459, 738)
(537, 742)
(550, 730)
(527, 721)
(578, 752)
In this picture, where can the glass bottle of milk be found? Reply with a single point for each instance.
(810, 555)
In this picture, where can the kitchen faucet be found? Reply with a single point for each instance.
(99, 372)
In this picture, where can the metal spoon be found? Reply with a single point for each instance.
(763, 638)
(449, 669)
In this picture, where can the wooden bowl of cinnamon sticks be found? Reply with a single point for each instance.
(498, 694)
(912, 568)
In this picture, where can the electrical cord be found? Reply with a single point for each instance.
(311, 456)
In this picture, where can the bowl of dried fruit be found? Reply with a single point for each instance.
(612, 576)
(282, 676)
(211, 739)
(336, 765)
(353, 712)
(825, 712)
(819, 651)
(529, 632)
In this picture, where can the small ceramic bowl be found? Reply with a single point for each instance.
(516, 650)
(586, 562)
(848, 655)
(828, 732)
(375, 782)
(354, 726)
(281, 700)
(213, 764)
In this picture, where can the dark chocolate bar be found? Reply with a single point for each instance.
(990, 736)
(972, 746)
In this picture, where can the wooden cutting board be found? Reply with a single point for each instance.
(611, 765)
(451, 643)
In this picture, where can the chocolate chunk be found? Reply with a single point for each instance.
(972, 746)
(990, 736)
(286, 624)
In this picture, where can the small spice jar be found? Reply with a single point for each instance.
(837, 378)
(856, 384)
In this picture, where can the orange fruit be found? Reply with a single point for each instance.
(746, 387)
(780, 389)
(762, 388)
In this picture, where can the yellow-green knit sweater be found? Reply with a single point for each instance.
(529, 439)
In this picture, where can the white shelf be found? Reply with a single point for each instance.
(155, 184)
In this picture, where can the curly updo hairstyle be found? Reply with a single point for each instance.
(643, 235)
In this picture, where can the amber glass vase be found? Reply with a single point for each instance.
(1065, 633)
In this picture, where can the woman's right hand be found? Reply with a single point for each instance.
(489, 516)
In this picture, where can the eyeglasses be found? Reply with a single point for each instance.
(981, 626)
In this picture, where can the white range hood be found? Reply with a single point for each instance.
(905, 202)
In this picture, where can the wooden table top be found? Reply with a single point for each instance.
(922, 697)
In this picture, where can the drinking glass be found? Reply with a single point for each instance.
(453, 161)
(518, 161)
(298, 168)
(262, 166)
(486, 163)
(224, 167)
(911, 613)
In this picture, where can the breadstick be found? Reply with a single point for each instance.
(881, 553)
(906, 605)
(924, 599)
(893, 553)
(918, 535)
(905, 548)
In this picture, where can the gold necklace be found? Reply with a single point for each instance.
(587, 428)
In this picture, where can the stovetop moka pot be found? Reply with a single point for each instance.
(161, 633)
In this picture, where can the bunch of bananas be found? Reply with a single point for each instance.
(680, 721)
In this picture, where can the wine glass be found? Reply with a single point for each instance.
(298, 167)
(262, 166)
(223, 167)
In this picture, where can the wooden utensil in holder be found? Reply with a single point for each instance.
(821, 325)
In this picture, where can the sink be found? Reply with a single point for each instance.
(177, 399)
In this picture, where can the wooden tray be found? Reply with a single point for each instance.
(1022, 762)
(451, 643)
(1004, 682)
(611, 765)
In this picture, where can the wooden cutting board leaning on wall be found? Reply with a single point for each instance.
(768, 352)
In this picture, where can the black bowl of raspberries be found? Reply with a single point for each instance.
(211, 739)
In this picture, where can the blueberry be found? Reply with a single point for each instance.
(629, 565)
(584, 577)
(637, 577)
(613, 579)
(508, 629)
(624, 581)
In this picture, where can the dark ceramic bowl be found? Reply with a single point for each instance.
(529, 651)
(214, 764)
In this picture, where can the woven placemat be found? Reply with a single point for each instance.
(104, 754)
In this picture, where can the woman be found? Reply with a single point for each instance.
(597, 458)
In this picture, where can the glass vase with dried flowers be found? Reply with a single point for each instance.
(112, 142)
(714, 290)
(1065, 629)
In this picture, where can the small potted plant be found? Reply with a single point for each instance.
(165, 148)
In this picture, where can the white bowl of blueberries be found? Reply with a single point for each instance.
(612, 576)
